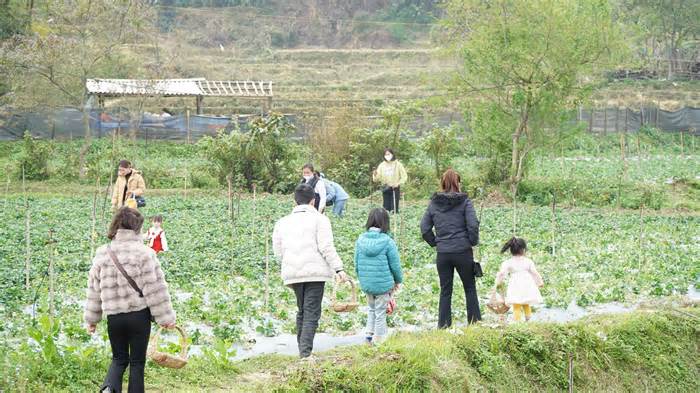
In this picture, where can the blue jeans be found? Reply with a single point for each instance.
(339, 207)
(376, 314)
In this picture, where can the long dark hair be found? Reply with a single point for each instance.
(378, 218)
(125, 218)
(450, 181)
(516, 245)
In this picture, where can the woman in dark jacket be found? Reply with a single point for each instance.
(452, 215)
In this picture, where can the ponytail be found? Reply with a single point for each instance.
(516, 246)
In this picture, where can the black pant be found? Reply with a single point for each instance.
(128, 335)
(464, 264)
(392, 196)
(309, 296)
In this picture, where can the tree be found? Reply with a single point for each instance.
(442, 146)
(529, 62)
(263, 156)
(72, 41)
(671, 23)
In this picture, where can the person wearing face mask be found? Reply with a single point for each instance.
(129, 184)
(391, 174)
(310, 178)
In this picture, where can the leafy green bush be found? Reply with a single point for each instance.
(491, 130)
(33, 160)
(442, 146)
(354, 169)
(264, 155)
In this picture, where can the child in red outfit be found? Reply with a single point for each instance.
(156, 235)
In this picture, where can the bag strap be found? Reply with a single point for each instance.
(123, 272)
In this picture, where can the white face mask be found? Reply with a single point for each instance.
(307, 178)
(388, 157)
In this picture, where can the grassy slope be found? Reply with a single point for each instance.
(644, 351)
(650, 350)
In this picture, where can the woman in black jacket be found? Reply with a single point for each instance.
(452, 215)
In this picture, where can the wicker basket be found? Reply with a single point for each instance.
(167, 359)
(338, 306)
(497, 304)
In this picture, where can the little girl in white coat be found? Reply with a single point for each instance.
(524, 279)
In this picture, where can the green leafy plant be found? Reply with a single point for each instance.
(32, 163)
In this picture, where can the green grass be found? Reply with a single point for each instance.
(652, 350)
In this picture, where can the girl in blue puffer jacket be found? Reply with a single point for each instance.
(378, 268)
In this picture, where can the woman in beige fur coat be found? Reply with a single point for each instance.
(128, 310)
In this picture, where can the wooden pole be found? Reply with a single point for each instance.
(27, 235)
(52, 254)
(230, 198)
(515, 208)
(104, 201)
(554, 223)
(571, 374)
(119, 125)
(622, 155)
(267, 267)
(656, 118)
(93, 229)
(682, 144)
(402, 196)
(7, 190)
(185, 178)
(187, 122)
(253, 223)
(605, 121)
(641, 237)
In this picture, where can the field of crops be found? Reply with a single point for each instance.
(217, 267)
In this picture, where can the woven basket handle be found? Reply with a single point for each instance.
(352, 287)
(183, 340)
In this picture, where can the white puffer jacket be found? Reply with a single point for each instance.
(303, 241)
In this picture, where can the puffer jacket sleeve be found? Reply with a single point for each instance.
(403, 176)
(426, 228)
(394, 262)
(357, 258)
(155, 291)
(115, 194)
(472, 223)
(93, 305)
(277, 241)
(140, 188)
(324, 239)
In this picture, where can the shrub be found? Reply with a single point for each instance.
(33, 162)
(264, 155)
(354, 169)
(442, 146)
